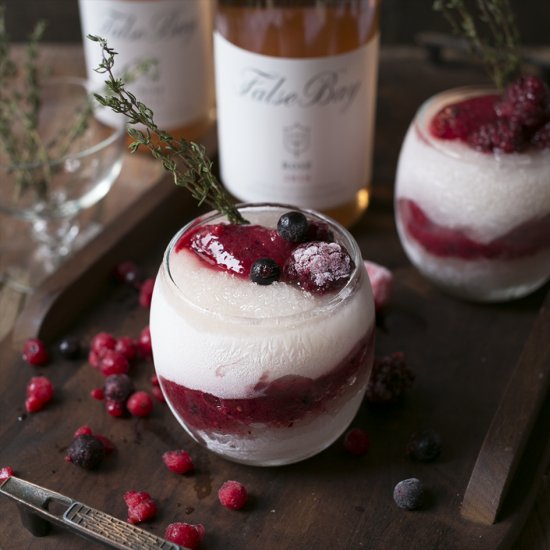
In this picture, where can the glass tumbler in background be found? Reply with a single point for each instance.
(475, 223)
(296, 89)
(259, 374)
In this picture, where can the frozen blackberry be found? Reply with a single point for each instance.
(424, 446)
(293, 226)
(409, 494)
(389, 380)
(85, 451)
(118, 387)
(265, 271)
(319, 266)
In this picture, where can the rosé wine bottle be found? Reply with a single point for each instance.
(263, 374)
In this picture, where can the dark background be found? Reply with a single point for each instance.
(401, 20)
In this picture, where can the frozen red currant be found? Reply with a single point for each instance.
(35, 352)
(113, 362)
(140, 403)
(146, 293)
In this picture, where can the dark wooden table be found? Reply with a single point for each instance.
(463, 355)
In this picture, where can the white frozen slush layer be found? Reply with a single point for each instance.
(228, 358)
(482, 194)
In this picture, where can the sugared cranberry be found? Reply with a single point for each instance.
(265, 271)
(141, 507)
(70, 348)
(102, 342)
(499, 136)
(118, 387)
(98, 394)
(144, 344)
(5, 472)
(39, 392)
(424, 446)
(389, 379)
(85, 451)
(116, 409)
(127, 346)
(113, 362)
(356, 441)
(83, 430)
(185, 534)
(525, 101)
(32, 404)
(129, 273)
(293, 226)
(381, 281)
(146, 293)
(140, 404)
(409, 494)
(35, 352)
(232, 495)
(178, 461)
(319, 231)
(319, 267)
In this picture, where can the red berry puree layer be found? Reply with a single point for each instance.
(523, 240)
(283, 401)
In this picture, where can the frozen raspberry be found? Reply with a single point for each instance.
(108, 445)
(129, 273)
(118, 387)
(381, 281)
(389, 379)
(541, 138)
(319, 267)
(98, 394)
(525, 101)
(178, 461)
(141, 507)
(5, 473)
(70, 348)
(102, 342)
(356, 441)
(293, 227)
(409, 494)
(232, 495)
(185, 534)
(85, 451)
(158, 395)
(113, 362)
(458, 120)
(424, 446)
(35, 352)
(144, 344)
(128, 347)
(140, 404)
(83, 430)
(116, 409)
(265, 271)
(501, 135)
(146, 293)
(40, 388)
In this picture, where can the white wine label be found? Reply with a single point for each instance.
(175, 34)
(295, 131)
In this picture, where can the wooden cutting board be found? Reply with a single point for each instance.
(480, 375)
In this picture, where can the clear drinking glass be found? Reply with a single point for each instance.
(475, 224)
(262, 375)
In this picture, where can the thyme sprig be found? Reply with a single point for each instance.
(197, 176)
(491, 34)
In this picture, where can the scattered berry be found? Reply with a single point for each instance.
(98, 394)
(185, 534)
(141, 507)
(70, 348)
(381, 281)
(155, 380)
(39, 392)
(85, 451)
(128, 272)
(32, 404)
(128, 347)
(118, 387)
(5, 473)
(35, 352)
(319, 266)
(102, 342)
(146, 293)
(113, 362)
(108, 445)
(499, 136)
(144, 344)
(94, 358)
(541, 138)
(116, 409)
(83, 430)
(409, 494)
(157, 394)
(178, 461)
(293, 226)
(356, 441)
(232, 495)
(389, 379)
(265, 271)
(424, 446)
(140, 404)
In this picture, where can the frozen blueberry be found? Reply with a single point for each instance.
(265, 271)
(118, 387)
(409, 494)
(85, 451)
(293, 226)
(70, 348)
(424, 446)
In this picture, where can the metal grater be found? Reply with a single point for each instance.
(35, 503)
